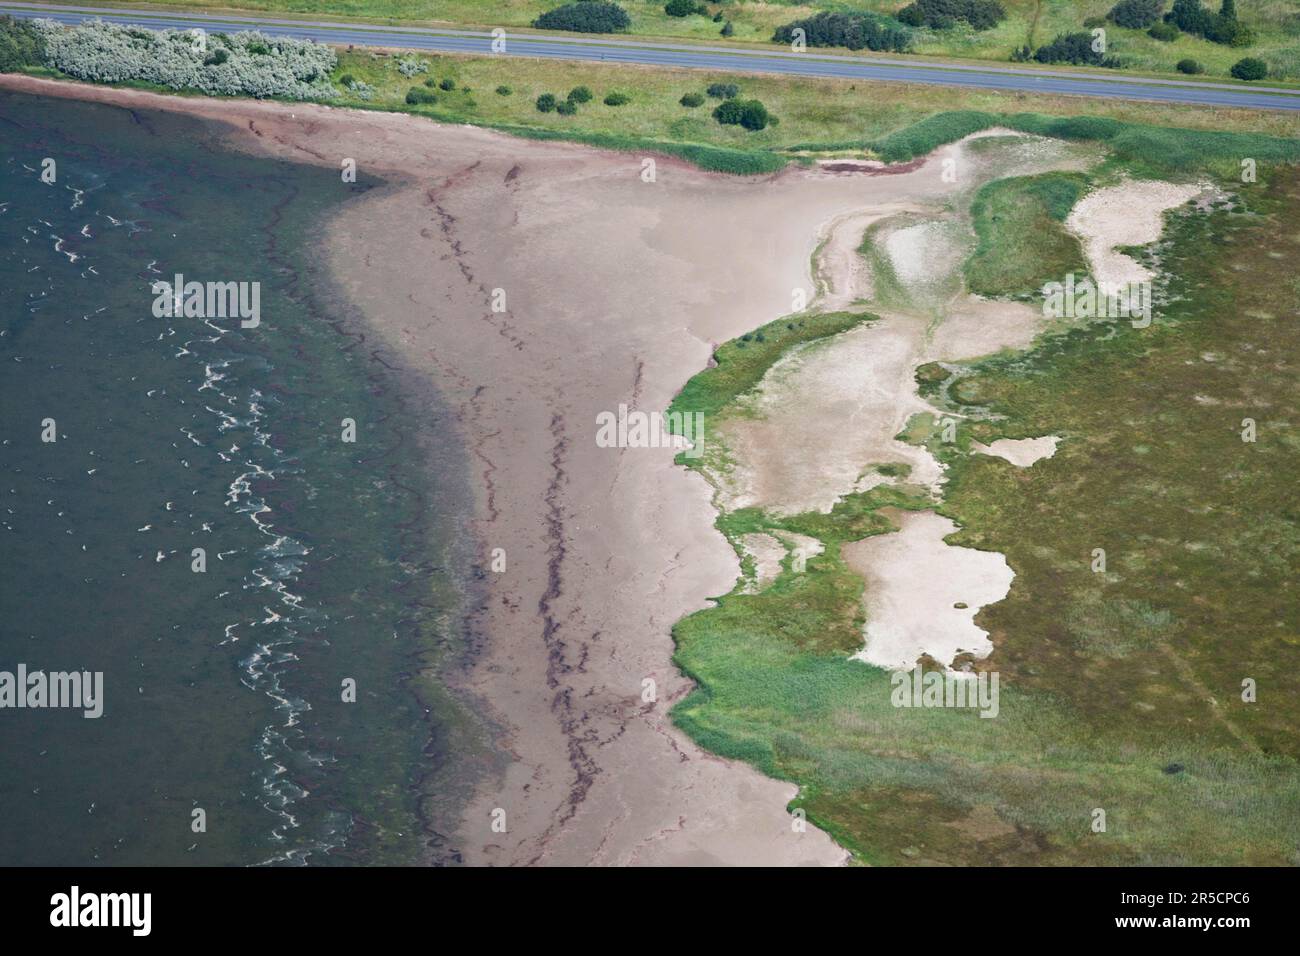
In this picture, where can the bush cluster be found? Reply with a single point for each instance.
(1165, 32)
(1073, 48)
(685, 8)
(856, 31)
(586, 16)
(22, 44)
(751, 114)
(410, 66)
(1222, 27)
(942, 14)
(1136, 14)
(723, 91)
(255, 65)
(692, 100)
(617, 99)
(418, 96)
(1250, 68)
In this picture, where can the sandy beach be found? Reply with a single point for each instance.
(608, 289)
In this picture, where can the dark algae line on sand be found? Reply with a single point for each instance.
(326, 562)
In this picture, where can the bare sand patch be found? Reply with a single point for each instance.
(923, 594)
(1021, 452)
(1130, 213)
(824, 412)
(767, 554)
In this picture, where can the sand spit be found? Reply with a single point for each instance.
(922, 594)
(615, 292)
(1130, 213)
(1021, 452)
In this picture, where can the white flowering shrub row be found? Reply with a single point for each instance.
(247, 64)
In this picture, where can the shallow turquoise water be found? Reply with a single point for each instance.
(326, 560)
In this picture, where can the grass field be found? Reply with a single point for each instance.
(1121, 690)
(892, 121)
(1033, 22)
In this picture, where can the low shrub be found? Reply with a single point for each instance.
(586, 16)
(617, 99)
(854, 31)
(1073, 48)
(692, 100)
(1164, 32)
(1190, 67)
(566, 107)
(723, 91)
(685, 8)
(504, 91)
(447, 84)
(751, 114)
(1136, 14)
(546, 103)
(419, 96)
(942, 14)
(410, 66)
(579, 94)
(1249, 68)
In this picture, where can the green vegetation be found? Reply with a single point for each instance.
(1079, 48)
(416, 96)
(546, 103)
(1120, 690)
(580, 94)
(685, 8)
(854, 31)
(1250, 68)
(21, 45)
(1272, 26)
(1136, 14)
(617, 99)
(741, 363)
(1021, 239)
(692, 100)
(1155, 150)
(1190, 67)
(586, 16)
(944, 14)
(751, 114)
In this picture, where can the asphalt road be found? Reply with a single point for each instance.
(728, 59)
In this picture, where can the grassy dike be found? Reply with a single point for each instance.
(1120, 690)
